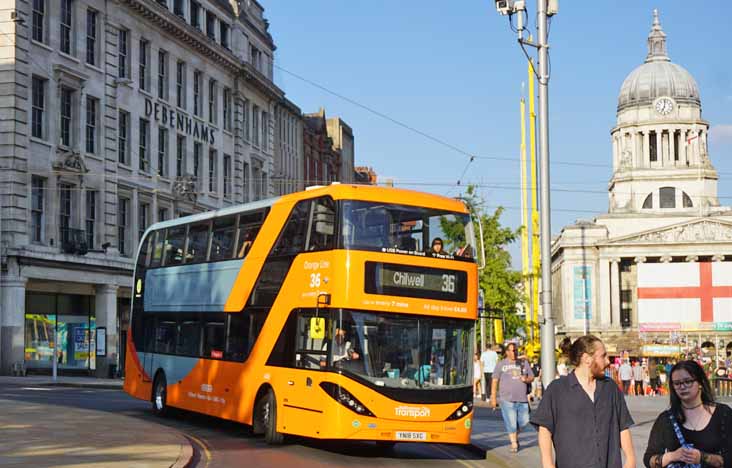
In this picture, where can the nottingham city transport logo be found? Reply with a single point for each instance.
(412, 411)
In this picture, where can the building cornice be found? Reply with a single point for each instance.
(199, 42)
(660, 123)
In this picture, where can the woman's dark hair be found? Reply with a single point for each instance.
(582, 345)
(565, 345)
(515, 349)
(697, 373)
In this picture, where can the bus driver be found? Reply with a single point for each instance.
(342, 348)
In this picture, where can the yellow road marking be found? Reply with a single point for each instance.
(202, 444)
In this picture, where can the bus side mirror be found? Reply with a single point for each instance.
(317, 328)
(481, 246)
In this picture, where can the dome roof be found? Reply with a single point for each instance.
(658, 76)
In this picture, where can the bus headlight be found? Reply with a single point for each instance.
(345, 398)
(464, 409)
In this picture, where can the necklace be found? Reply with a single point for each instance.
(693, 407)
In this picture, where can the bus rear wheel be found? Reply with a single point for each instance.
(159, 395)
(268, 414)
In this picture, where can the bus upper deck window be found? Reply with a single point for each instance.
(174, 244)
(157, 250)
(197, 242)
(222, 238)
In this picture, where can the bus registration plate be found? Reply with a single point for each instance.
(401, 435)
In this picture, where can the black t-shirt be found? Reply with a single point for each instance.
(708, 439)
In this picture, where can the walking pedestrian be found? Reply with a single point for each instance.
(477, 374)
(653, 376)
(583, 416)
(638, 378)
(626, 374)
(489, 357)
(696, 430)
(511, 376)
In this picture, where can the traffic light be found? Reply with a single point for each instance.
(498, 330)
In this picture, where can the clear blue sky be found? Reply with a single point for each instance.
(453, 70)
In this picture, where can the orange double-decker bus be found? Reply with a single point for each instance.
(326, 313)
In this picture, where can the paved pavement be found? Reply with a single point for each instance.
(489, 434)
(39, 435)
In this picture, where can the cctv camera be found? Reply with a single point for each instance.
(504, 7)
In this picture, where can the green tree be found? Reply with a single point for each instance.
(499, 281)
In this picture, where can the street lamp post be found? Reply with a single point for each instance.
(545, 8)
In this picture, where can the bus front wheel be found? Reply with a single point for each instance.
(159, 395)
(268, 415)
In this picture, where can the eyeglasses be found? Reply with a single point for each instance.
(683, 383)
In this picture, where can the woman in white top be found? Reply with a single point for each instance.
(477, 373)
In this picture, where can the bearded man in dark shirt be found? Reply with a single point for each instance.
(583, 416)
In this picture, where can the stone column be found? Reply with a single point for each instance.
(106, 310)
(51, 213)
(604, 290)
(12, 325)
(659, 147)
(646, 150)
(672, 147)
(615, 292)
(635, 160)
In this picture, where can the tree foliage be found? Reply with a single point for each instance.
(498, 280)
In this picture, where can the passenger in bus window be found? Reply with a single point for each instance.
(245, 245)
(436, 246)
(464, 251)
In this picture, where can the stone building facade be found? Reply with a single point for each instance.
(288, 157)
(653, 276)
(117, 114)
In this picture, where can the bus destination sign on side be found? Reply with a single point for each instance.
(410, 281)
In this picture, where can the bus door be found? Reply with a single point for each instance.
(148, 346)
(302, 392)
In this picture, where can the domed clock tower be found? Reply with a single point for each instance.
(660, 159)
(653, 275)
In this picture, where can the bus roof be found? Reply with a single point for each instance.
(381, 194)
(338, 192)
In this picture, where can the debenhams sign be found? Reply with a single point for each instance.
(179, 121)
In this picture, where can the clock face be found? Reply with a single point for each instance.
(664, 106)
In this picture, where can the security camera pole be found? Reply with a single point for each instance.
(545, 8)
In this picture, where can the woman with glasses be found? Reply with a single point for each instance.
(695, 431)
(511, 376)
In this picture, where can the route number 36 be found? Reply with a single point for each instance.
(314, 280)
(448, 283)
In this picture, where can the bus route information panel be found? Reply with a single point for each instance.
(410, 281)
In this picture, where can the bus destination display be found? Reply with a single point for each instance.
(409, 281)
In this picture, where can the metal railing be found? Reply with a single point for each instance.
(722, 387)
(73, 241)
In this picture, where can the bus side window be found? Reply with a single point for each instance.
(166, 335)
(237, 335)
(214, 337)
(249, 225)
(197, 245)
(174, 245)
(142, 258)
(322, 224)
(292, 238)
(189, 336)
(157, 249)
(222, 238)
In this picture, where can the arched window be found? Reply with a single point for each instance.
(648, 202)
(667, 197)
(686, 199)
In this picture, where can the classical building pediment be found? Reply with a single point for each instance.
(702, 230)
